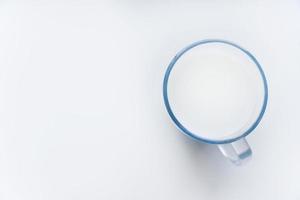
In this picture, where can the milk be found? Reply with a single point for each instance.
(216, 91)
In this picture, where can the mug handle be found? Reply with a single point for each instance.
(237, 152)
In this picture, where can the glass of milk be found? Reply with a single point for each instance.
(216, 92)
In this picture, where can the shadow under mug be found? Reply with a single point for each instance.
(236, 147)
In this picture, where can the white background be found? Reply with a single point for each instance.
(81, 111)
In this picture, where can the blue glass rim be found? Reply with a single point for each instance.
(176, 121)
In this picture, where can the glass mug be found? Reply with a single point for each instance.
(216, 92)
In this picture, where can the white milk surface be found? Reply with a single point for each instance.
(216, 91)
